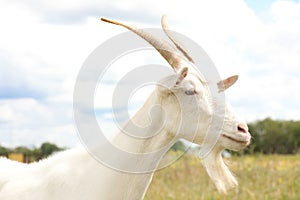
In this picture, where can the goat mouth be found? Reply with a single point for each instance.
(235, 140)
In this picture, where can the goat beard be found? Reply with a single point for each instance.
(218, 171)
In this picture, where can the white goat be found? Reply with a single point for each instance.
(75, 175)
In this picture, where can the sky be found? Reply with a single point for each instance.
(43, 45)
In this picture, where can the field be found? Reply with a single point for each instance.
(260, 177)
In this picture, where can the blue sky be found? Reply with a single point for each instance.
(259, 5)
(43, 45)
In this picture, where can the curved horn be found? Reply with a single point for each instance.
(165, 49)
(167, 31)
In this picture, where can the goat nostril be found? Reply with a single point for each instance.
(242, 128)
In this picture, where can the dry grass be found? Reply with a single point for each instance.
(260, 177)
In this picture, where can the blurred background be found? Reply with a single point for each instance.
(44, 43)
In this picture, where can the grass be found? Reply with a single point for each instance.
(260, 177)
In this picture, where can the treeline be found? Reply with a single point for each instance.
(43, 151)
(274, 136)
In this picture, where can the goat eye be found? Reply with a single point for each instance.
(190, 92)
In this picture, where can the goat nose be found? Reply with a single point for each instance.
(242, 127)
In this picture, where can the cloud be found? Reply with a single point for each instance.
(64, 13)
(42, 52)
(28, 121)
(271, 65)
(20, 82)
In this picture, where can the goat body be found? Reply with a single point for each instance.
(69, 175)
(186, 108)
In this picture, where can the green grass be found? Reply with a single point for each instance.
(260, 177)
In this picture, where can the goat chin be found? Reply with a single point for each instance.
(219, 172)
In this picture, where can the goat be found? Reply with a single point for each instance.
(184, 99)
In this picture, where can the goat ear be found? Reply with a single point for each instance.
(226, 83)
(182, 74)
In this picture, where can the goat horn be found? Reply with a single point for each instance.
(165, 49)
(167, 31)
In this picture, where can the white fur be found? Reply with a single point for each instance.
(75, 175)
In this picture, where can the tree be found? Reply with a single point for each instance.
(47, 149)
(4, 151)
(23, 150)
(178, 146)
(274, 136)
